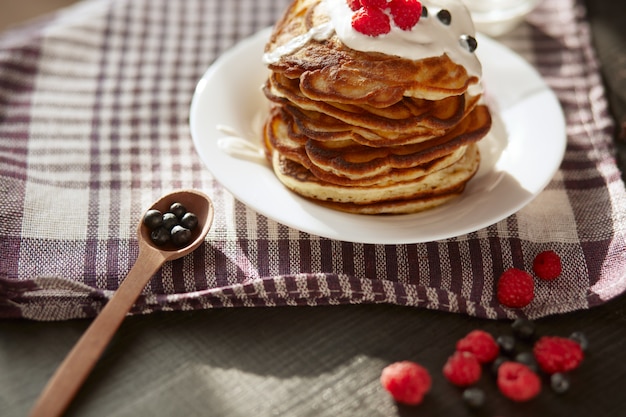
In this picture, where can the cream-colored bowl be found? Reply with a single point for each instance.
(497, 17)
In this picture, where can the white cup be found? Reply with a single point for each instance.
(497, 17)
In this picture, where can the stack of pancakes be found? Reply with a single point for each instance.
(367, 132)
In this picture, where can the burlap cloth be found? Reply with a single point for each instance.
(94, 108)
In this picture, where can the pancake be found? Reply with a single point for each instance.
(342, 162)
(354, 160)
(449, 180)
(407, 116)
(322, 127)
(395, 206)
(345, 161)
(363, 131)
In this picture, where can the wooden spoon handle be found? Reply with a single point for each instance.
(77, 365)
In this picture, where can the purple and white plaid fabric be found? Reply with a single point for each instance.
(94, 107)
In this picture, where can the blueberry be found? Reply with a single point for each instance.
(444, 17)
(189, 221)
(523, 328)
(178, 209)
(169, 220)
(153, 219)
(559, 382)
(581, 339)
(468, 42)
(180, 236)
(160, 236)
(496, 364)
(474, 397)
(528, 359)
(506, 343)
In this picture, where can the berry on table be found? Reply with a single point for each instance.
(518, 379)
(515, 288)
(557, 354)
(518, 382)
(462, 369)
(474, 397)
(496, 364)
(523, 328)
(406, 381)
(559, 382)
(528, 359)
(547, 265)
(506, 343)
(481, 344)
(581, 339)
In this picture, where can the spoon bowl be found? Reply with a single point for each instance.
(77, 365)
(195, 202)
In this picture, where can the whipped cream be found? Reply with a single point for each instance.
(430, 37)
(318, 33)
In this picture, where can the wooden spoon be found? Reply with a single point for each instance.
(73, 371)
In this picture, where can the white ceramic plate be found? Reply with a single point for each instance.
(519, 157)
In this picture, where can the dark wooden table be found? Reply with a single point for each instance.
(298, 361)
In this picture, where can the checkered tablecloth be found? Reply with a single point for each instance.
(94, 108)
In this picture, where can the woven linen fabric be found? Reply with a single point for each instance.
(94, 108)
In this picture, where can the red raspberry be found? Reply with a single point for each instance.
(371, 21)
(381, 4)
(547, 265)
(481, 344)
(354, 4)
(406, 381)
(462, 369)
(557, 354)
(518, 382)
(405, 13)
(516, 288)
